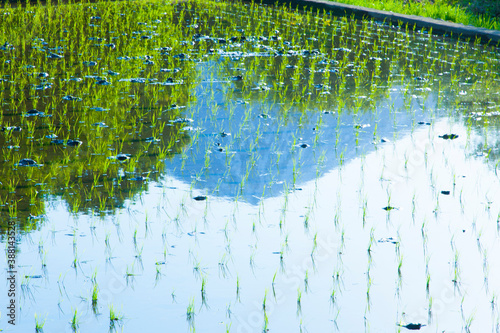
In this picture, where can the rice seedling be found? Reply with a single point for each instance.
(238, 290)
(299, 302)
(400, 267)
(39, 324)
(75, 321)
(114, 318)
(95, 298)
(456, 268)
(190, 314)
(203, 292)
(468, 322)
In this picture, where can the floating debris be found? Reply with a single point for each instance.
(449, 136)
(55, 56)
(139, 178)
(69, 142)
(123, 157)
(27, 162)
(182, 56)
(97, 108)
(42, 86)
(100, 124)
(7, 46)
(134, 80)
(103, 82)
(152, 139)
(90, 63)
(168, 70)
(12, 128)
(120, 157)
(181, 120)
(165, 49)
(169, 82)
(190, 128)
(73, 143)
(33, 113)
(413, 326)
(36, 217)
(71, 98)
(388, 240)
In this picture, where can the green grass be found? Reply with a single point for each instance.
(484, 15)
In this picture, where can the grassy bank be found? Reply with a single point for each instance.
(479, 13)
(484, 14)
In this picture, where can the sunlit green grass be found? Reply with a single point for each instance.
(439, 9)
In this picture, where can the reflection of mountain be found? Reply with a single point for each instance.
(270, 92)
(265, 151)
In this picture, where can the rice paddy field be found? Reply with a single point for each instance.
(234, 167)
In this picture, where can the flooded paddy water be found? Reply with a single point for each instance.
(233, 167)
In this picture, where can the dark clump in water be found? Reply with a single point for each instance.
(412, 326)
(33, 112)
(27, 162)
(12, 128)
(449, 136)
(73, 143)
(123, 157)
